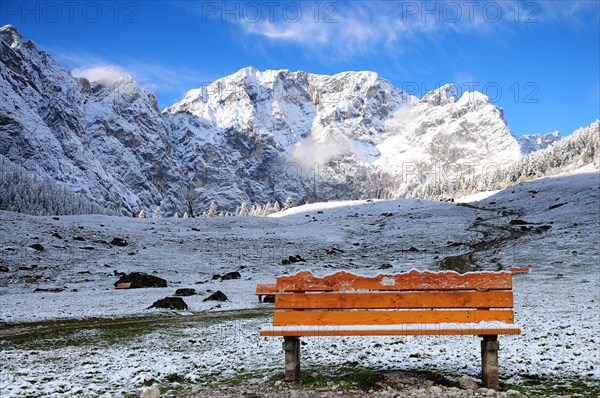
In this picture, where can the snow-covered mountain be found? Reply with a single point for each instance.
(106, 140)
(535, 142)
(263, 135)
(249, 137)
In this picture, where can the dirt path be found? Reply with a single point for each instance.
(41, 329)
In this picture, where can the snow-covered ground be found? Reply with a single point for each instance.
(557, 305)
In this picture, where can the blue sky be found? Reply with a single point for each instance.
(538, 60)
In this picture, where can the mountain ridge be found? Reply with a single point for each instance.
(253, 136)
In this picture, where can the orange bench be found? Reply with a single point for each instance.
(265, 289)
(412, 303)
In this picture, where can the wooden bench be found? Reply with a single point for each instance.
(265, 289)
(412, 303)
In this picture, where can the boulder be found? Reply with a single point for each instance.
(216, 296)
(296, 259)
(3, 268)
(467, 383)
(140, 280)
(151, 393)
(185, 292)
(119, 242)
(269, 298)
(37, 246)
(231, 275)
(170, 303)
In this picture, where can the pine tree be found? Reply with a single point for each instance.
(157, 213)
(243, 210)
(268, 209)
(186, 215)
(276, 208)
(212, 209)
(289, 203)
(142, 214)
(176, 214)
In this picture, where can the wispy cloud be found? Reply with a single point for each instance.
(354, 28)
(173, 81)
(105, 74)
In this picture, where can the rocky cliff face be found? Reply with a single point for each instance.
(253, 136)
(351, 135)
(535, 142)
(104, 139)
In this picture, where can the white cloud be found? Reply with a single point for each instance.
(172, 81)
(106, 74)
(365, 27)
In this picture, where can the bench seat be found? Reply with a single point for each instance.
(415, 329)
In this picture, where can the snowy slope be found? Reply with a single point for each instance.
(556, 304)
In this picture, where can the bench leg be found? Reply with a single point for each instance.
(291, 346)
(489, 361)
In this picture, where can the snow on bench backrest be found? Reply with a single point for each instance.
(413, 280)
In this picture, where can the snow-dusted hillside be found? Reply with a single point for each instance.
(556, 304)
(105, 139)
(535, 142)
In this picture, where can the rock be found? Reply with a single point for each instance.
(88, 248)
(151, 393)
(141, 280)
(490, 392)
(56, 235)
(334, 250)
(285, 261)
(37, 246)
(435, 390)
(184, 292)
(216, 276)
(513, 392)
(385, 266)
(170, 303)
(216, 296)
(3, 268)
(556, 206)
(119, 242)
(413, 249)
(296, 259)
(518, 222)
(269, 298)
(79, 238)
(49, 290)
(231, 275)
(467, 383)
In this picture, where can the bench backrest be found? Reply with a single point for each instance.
(413, 297)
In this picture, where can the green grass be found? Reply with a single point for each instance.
(537, 386)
